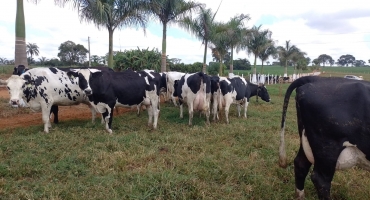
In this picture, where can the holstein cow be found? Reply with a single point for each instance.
(195, 90)
(235, 90)
(41, 88)
(334, 128)
(128, 88)
(171, 78)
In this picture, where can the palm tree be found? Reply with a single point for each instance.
(236, 32)
(219, 45)
(112, 14)
(20, 55)
(32, 49)
(269, 51)
(42, 60)
(169, 11)
(286, 53)
(202, 28)
(257, 42)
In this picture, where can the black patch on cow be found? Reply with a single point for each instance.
(54, 70)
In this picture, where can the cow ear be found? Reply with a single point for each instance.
(72, 74)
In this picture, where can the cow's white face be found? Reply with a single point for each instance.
(15, 85)
(84, 76)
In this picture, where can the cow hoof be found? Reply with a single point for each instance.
(109, 131)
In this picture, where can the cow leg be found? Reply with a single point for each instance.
(301, 168)
(238, 109)
(155, 111)
(191, 113)
(150, 114)
(227, 110)
(108, 117)
(214, 109)
(181, 111)
(245, 107)
(46, 117)
(54, 110)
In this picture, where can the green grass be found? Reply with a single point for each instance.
(79, 160)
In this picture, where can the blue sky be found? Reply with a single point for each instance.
(333, 28)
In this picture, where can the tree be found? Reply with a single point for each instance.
(32, 49)
(3, 61)
(286, 53)
(72, 53)
(325, 59)
(219, 46)
(42, 60)
(346, 60)
(316, 62)
(170, 11)
(112, 14)
(20, 55)
(236, 32)
(359, 63)
(202, 27)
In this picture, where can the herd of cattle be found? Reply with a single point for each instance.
(332, 113)
(102, 89)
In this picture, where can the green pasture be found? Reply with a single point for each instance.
(80, 160)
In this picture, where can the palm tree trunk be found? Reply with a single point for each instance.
(163, 59)
(220, 69)
(286, 68)
(204, 69)
(20, 57)
(110, 53)
(262, 68)
(231, 60)
(255, 62)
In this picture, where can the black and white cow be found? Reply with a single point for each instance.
(195, 90)
(43, 88)
(126, 89)
(334, 128)
(237, 91)
(170, 82)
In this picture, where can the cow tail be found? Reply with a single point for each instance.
(296, 84)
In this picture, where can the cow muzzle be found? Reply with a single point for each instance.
(14, 103)
(88, 92)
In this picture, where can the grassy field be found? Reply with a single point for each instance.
(79, 160)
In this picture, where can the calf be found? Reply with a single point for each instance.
(195, 90)
(43, 88)
(128, 88)
(334, 129)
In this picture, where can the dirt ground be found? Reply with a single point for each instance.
(25, 118)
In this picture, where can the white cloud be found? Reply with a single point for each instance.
(316, 27)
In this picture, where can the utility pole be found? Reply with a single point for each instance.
(88, 39)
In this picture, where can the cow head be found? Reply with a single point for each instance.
(84, 76)
(16, 86)
(262, 92)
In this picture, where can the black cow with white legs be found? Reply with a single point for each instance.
(333, 117)
(41, 89)
(195, 90)
(126, 89)
(237, 91)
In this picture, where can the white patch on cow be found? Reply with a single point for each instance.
(307, 148)
(299, 194)
(146, 80)
(148, 71)
(225, 79)
(352, 156)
